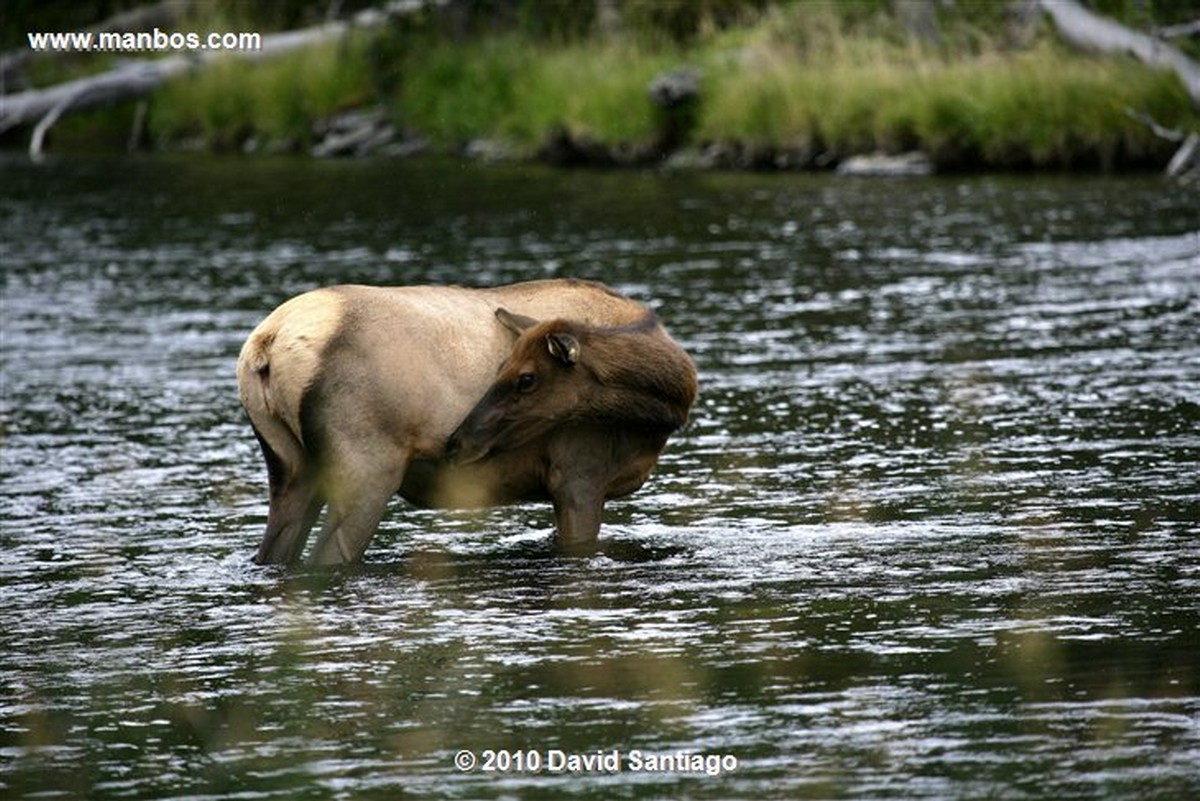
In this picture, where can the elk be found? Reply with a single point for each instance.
(353, 393)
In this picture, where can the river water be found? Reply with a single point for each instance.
(931, 533)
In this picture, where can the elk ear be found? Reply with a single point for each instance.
(517, 323)
(563, 347)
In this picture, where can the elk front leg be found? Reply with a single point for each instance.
(578, 508)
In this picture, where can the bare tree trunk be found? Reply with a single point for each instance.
(1090, 31)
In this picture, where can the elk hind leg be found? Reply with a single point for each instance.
(295, 503)
(358, 489)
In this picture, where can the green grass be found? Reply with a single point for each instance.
(510, 89)
(278, 99)
(831, 78)
(1041, 107)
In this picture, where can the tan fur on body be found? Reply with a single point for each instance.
(353, 391)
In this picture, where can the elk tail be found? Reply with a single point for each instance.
(281, 444)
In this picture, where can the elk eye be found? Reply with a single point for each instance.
(525, 381)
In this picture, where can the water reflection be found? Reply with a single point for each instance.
(930, 534)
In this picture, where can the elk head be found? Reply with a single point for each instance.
(564, 373)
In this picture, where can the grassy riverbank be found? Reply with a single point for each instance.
(798, 84)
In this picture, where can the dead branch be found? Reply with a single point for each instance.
(1178, 31)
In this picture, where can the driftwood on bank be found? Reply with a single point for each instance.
(43, 107)
(163, 14)
(1089, 31)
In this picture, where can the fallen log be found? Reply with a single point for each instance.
(164, 14)
(44, 107)
(133, 79)
(1089, 31)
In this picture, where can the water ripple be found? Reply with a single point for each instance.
(930, 533)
